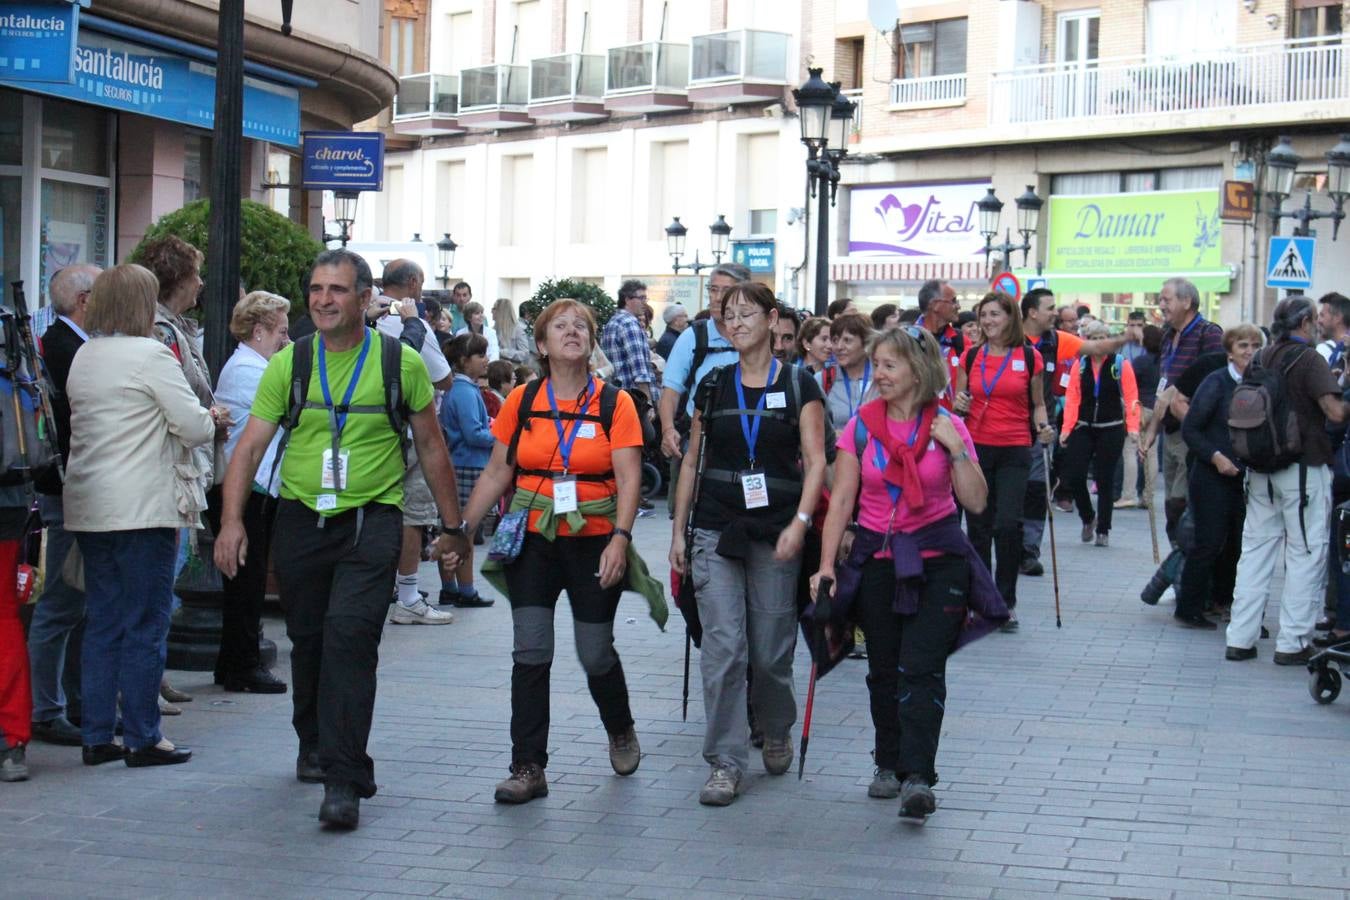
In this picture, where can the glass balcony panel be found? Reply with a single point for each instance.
(567, 77)
(672, 70)
(426, 94)
(653, 66)
(488, 86)
(716, 56)
(767, 55)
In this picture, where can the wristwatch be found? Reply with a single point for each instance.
(457, 531)
(804, 518)
(624, 532)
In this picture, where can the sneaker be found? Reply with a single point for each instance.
(1102, 541)
(1032, 566)
(1010, 626)
(526, 783)
(916, 798)
(1294, 659)
(14, 764)
(645, 511)
(1089, 529)
(884, 786)
(1064, 505)
(1126, 503)
(721, 787)
(624, 752)
(420, 613)
(777, 754)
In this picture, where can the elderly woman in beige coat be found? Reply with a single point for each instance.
(132, 482)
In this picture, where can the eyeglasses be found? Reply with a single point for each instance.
(730, 318)
(716, 290)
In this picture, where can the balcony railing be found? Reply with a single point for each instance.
(856, 95)
(935, 90)
(1304, 70)
(655, 66)
(571, 76)
(738, 56)
(427, 94)
(486, 87)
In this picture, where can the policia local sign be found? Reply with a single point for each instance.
(1110, 243)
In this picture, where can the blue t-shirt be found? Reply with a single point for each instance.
(720, 353)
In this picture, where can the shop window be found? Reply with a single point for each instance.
(933, 48)
(1081, 183)
(74, 138)
(11, 215)
(11, 128)
(1190, 178)
(196, 166)
(75, 225)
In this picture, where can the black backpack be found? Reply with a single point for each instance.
(1261, 420)
(701, 352)
(609, 398)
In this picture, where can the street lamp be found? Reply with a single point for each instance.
(720, 232)
(1277, 183)
(344, 206)
(826, 117)
(1028, 222)
(445, 255)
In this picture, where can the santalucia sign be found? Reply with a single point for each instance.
(1170, 232)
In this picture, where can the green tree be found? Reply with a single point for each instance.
(275, 253)
(600, 303)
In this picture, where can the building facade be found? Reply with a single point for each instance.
(1126, 117)
(90, 159)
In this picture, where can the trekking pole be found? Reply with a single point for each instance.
(822, 616)
(688, 642)
(14, 362)
(37, 372)
(687, 581)
(1050, 519)
(1151, 505)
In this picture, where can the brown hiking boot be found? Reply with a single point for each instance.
(624, 752)
(526, 783)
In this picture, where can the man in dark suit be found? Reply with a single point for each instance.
(58, 618)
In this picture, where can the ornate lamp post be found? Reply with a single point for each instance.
(826, 117)
(1028, 222)
(720, 232)
(1277, 183)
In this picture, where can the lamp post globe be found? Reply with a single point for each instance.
(721, 235)
(1338, 170)
(675, 234)
(1281, 164)
(841, 122)
(815, 102)
(1028, 212)
(990, 208)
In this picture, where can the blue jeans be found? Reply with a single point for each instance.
(128, 578)
(58, 624)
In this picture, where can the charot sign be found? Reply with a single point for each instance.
(923, 220)
(343, 161)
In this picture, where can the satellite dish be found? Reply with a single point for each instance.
(883, 14)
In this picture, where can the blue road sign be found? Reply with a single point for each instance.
(1037, 283)
(343, 161)
(1290, 262)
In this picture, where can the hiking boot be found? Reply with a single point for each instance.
(526, 783)
(1032, 566)
(308, 769)
(1102, 541)
(13, 764)
(1297, 658)
(624, 752)
(1238, 654)
(884, 786)
(341, 807)
(420, 613)
(1089, 529)
(777, 754)
(916, 798)
(721, 787)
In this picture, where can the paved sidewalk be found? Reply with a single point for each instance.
(1118, 757)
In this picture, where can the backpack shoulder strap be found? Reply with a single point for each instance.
(609, 398)
(827, 376)
(794, 394)
(700, 353)
(968, 360)
(302, 364)
(391, 370)
(859, 437)
(522, 416)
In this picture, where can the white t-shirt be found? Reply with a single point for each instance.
(437, 367)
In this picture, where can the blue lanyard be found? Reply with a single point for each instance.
(1336, 350)
(751, 432)
(984, 371)
(1176, 344)
(848, 387)
(880, 459)
(339, 419)
(565, 444)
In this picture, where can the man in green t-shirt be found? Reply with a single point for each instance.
(338, 526)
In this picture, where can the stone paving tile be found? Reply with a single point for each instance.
(1118, 756)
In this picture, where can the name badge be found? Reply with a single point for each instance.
(586, 430)
(755, 488)
(327, 482)
(776, 401)
(1162, 384)
(1019, 365)
(326, 502)
(564, 494)
(1049, 366)
(1064, 380)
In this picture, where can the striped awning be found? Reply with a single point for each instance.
(893, 269)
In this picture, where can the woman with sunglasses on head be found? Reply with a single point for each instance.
(764, 465)
(1004, 406)
(910, 570)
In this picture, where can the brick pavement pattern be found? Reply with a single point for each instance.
(1118, 757)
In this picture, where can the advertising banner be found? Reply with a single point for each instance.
(935, 220)
(343, 161)
(37, 40)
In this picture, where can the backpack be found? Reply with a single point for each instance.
(1261, 420)
(26, 450)
(1029, 353)
(701, 352)
(609, 398)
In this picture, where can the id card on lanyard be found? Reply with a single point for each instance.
(754, 484)
(565, 485)
(336, 462)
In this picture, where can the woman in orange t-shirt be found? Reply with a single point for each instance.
(582, 477)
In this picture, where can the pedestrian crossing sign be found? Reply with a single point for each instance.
(1290, 263)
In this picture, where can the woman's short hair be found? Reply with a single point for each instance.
(472, 308)
(257, 308)
(851, 323)
(1094, 330)
(172, 260)
(551, 312)
(1015, 335)
(750, 292)
(122, 301)
(882, 313)
(919, 350)
(807, 333)
(462, 346)
(1244, 332)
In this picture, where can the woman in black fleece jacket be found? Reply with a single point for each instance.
(1216, 499)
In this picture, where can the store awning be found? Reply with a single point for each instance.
(1214, 280)
(906, 269)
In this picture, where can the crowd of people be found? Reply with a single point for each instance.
(889, 474)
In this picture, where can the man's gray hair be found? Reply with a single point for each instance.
(734, 271)
(340, 256)
(1184, 290)
(67, 285)
(1290, 314)
(928, 292)
(402, 273)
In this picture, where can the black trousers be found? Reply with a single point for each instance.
(544, 570)
(1099, 448)
(335, 583)
(241, 616)
(1219, 506)
(1005, 470)
(907, 660)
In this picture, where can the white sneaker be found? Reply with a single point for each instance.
(420, 613)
